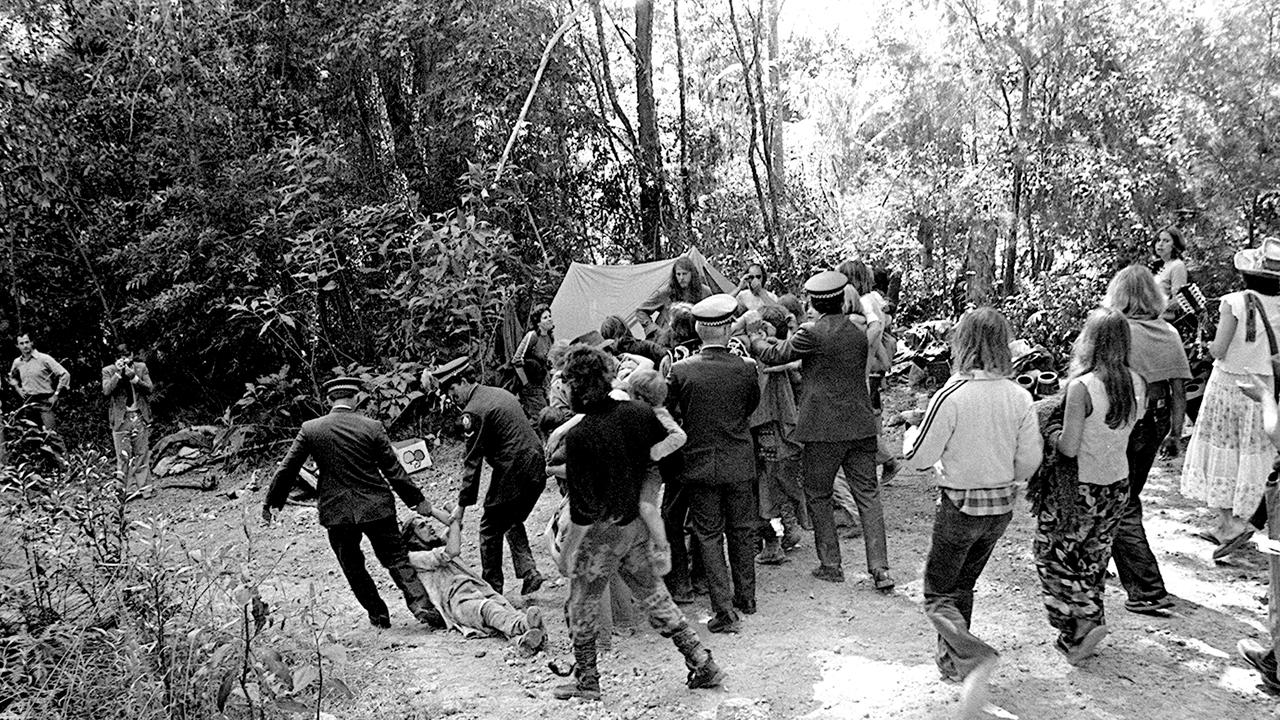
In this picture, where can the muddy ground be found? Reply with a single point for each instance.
(814, 650)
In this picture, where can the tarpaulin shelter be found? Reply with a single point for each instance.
(590, 293)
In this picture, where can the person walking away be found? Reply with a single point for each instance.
(128, 387)
(39, 380)
(1263, 658)
(1229, 457)
(713, 394)
(1074, 530)
(1157, 355)
(982, 433)
(607, 457)
(466, 602)
(835, 424)
(360, 478)
(496, 430)
(531, 361)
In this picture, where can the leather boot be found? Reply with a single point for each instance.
(586, 684)
(703, 670)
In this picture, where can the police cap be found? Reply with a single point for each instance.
(715, 310)
(339, 384)
(447, 373)
(826, 284)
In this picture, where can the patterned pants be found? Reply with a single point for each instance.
(1072, 561)
(607, 549)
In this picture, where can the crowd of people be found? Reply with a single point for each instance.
(729, 425)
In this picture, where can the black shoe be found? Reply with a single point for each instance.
(706, 675)
(532, 584)
(684, 598)
(790, 541)
(888, 471)
(382, 622)
(829, 574)
(724, 623)
(1156, 607)
(432, 619)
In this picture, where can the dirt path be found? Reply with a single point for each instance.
(814, 650)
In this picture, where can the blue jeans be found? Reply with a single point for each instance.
(958, 552)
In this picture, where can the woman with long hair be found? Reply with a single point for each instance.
(1157, 355)
(1075, 525)
(982, 432)
(685, 285)
(1229, 456)
(1170, 268)
(530, 360)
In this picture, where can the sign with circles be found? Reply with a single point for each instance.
(413, 454)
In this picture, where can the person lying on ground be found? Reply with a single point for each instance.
(467, 603)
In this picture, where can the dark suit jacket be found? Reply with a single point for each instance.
(713, 395)
(354, 455)
(496, 429)
(834, 403)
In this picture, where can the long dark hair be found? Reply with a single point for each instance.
(691, 293)
(1103, 349)
(535, 318)
(589, 374)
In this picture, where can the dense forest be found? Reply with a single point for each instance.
(258, 192)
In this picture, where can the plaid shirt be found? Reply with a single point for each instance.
(983, 501)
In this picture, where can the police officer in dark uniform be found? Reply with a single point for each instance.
(836, 424)
(356, 464)
(713, 394)
(496, 429)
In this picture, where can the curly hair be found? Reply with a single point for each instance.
(589, 374)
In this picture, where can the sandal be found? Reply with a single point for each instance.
(1207, 536)
(1235, 543)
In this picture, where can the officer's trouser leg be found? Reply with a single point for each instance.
(384, 536)
(345, 541)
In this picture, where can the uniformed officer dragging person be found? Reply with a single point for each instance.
(358, 474)
(496, 429)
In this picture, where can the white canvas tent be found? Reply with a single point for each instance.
(590, 293)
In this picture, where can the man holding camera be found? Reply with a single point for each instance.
(127, 385)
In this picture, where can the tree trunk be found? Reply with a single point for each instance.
(754, 119)
(686, 194)
(982, 261)
(607, 71)
(777, 177)
(377, 127)
(1018, 140)
(650, 164)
